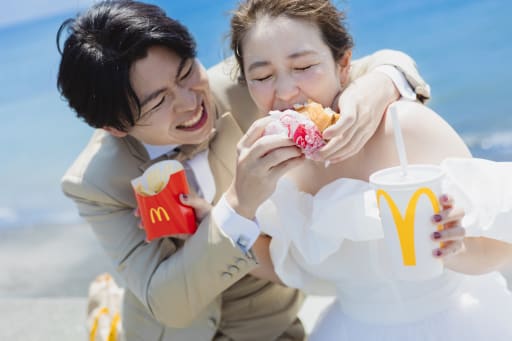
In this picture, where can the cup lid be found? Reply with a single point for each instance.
(417, 174)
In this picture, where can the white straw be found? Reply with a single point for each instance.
(399, 140)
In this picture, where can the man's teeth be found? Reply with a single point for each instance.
(194, 119)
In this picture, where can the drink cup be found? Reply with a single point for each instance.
(157, 193)
(406, 205)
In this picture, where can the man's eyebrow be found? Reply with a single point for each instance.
(180, 67)
(155, 93)
(152, 96)
(294, 55)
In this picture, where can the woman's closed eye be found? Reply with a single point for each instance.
(262, 78)
(304, 68)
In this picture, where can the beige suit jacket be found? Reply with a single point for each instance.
(199, 290)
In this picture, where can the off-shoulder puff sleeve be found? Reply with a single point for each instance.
(306, 230)
(483, 189)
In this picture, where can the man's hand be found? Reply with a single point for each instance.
(361, 105)
(262, 160)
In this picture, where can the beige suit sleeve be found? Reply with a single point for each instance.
(175, 284)
(401, 61)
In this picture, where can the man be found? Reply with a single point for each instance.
(129, 70)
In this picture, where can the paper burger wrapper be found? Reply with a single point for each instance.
(157, 192)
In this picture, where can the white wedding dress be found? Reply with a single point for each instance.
(331, 244)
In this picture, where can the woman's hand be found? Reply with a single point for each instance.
(262, 160)
(201, 206)
(452, 235)
(361, 105)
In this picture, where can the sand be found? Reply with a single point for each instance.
(46, 271)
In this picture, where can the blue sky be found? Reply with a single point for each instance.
(21, 11)
(462, 48)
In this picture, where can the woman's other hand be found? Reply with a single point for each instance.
(361, 105)
(452, 235)
(201, 206)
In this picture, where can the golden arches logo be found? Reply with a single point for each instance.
(405, 226)
(158, 212)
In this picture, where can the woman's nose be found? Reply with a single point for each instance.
(286, 89)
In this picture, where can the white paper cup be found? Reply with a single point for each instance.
(406, 206)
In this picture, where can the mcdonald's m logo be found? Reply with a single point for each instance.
(159, 212)
(405, 225)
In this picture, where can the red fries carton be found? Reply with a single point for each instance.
(157, 192)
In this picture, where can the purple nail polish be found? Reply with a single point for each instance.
(436, 235)
(437, 218)
(444, 198)
(437, 253)
(184, 196)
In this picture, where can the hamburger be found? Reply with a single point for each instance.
(321, 117)
(304, 125)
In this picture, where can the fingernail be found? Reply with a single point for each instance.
(437, 218)
(444, 198)
(184, 196)
(327, 163)
(437, 253)
(436, 235)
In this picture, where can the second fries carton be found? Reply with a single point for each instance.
(157, 192)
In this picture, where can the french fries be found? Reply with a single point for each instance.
(156, 177)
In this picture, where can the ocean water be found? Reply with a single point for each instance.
(462, 48)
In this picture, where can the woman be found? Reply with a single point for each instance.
(290, 51)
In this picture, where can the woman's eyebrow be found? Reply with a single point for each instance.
(302, 53)
(257, 64)
(294, 55)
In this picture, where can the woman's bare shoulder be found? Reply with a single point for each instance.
(428, 137)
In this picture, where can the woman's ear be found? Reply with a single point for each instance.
(115, 132)
(344, 67)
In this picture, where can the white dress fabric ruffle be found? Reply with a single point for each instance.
(332, 244)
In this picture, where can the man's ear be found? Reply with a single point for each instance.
(115, 132)
(344, 66)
